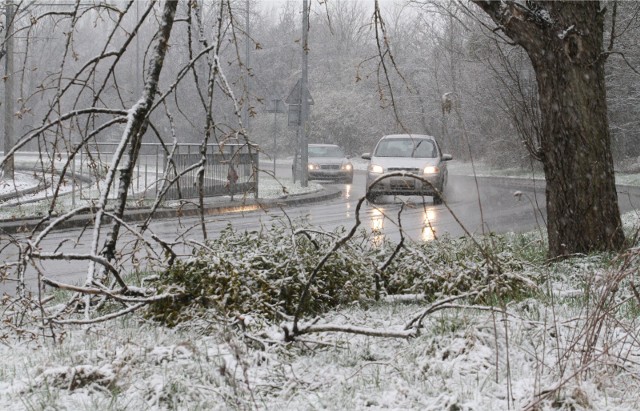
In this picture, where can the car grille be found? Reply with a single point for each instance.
(408, 170)
(402, 185)
(330, 166)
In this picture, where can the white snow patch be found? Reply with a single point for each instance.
(566, 32)
(21, 181)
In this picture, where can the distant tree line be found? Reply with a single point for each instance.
(437, 48)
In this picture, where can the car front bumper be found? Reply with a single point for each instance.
(323, 174)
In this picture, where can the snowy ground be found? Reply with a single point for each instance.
(21, 181)
(530, 354)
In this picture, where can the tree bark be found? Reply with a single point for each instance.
(137, 124)
(564, 41)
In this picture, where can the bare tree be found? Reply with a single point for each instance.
(152, 68)
(623, 71)
(564, 41)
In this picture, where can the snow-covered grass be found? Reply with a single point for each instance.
(21, 181)
(571, 345)
(628, 179)
(270, 188)
(483, 169)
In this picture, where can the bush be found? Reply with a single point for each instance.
(452, 266)
(264, 272)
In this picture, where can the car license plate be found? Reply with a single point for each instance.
(403, 183)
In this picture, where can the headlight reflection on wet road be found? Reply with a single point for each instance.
(377, 220)
(377, 225)
(428, 229)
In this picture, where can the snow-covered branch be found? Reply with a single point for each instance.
(323, 328)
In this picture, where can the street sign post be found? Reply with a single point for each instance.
(297, 93)
(294, 101)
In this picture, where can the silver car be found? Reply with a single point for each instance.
(328, 162)
(412, 154)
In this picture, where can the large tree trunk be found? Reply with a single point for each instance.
(582, 202)
(565, 43)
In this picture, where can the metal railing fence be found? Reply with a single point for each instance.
(229, 169)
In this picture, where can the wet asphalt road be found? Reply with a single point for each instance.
(495, 209)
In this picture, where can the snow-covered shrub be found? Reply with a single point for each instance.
(264, 272)
(452, 266)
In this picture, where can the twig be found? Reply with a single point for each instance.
(371, 332)
(322, 262)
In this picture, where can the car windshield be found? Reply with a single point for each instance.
(406, 147)
(325, 151)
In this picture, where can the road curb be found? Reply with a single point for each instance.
(20, 193)
(23, 225)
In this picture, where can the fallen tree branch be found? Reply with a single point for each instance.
(371, 332)
(322, 262)
(436, 306)
(100, 291)
(104, 318)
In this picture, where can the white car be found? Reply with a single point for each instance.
(415, 154)
(328, 162)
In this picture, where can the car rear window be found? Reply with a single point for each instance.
(406, 147)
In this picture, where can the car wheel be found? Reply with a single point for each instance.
(438, 198)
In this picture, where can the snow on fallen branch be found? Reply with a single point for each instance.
(405, 298)
(372, 332)
(436, 306)
(412, 329)
(114, 295)
(100, 319)
(76, 257)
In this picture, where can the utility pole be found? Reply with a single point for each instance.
(8, 91)
(245, 112)
(304, 102)
(138, 88)
(299, 101)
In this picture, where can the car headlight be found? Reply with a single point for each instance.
(376, 169)
(313, 166)
(431, 170)
(347, 167)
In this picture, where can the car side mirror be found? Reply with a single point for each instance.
(366, 156)
(447, 157)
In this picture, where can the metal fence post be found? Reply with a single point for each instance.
(157, 161)
(146, 171)
(256, 173)
(81, 173)
(73, 182)
(137, 174)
